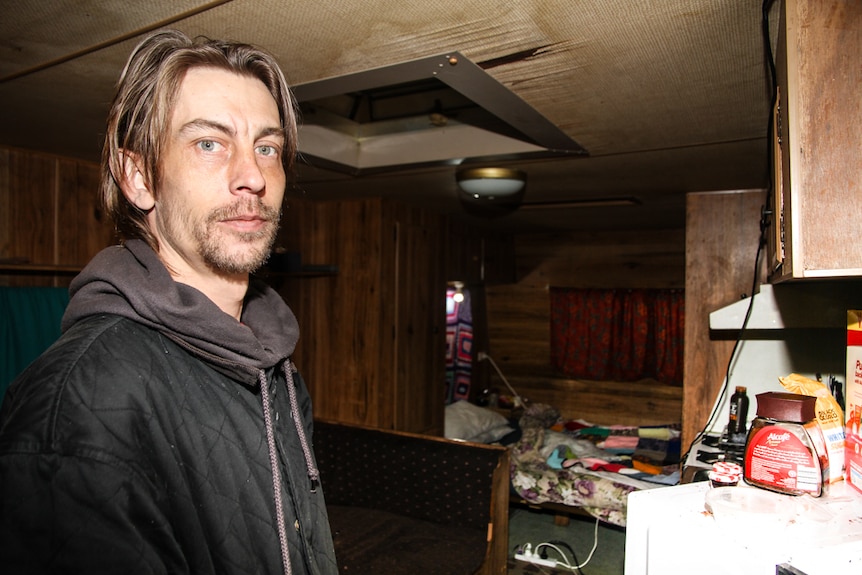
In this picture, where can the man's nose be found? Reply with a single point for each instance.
(246, 175)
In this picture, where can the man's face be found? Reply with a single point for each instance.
(221, 178)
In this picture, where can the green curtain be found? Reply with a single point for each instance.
(29, 324)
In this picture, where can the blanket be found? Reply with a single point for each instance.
(651, 453)
(594, 468)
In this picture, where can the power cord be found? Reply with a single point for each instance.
(765, 223)
(561, 544)
(527, 553)
(518, 400)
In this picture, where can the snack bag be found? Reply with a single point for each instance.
(829, 416)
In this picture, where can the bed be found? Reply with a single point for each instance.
(571, 464)
(592, 468)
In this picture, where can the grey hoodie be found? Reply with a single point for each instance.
(131, 281)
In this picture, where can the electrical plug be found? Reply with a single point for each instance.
(526, 554)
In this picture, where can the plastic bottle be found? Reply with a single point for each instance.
(738, 412)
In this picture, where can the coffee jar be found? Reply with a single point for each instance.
(785, 450)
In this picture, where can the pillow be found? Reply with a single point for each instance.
(473, 423)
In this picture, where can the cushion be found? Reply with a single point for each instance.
(470, 422)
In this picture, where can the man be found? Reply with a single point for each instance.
(167, 431)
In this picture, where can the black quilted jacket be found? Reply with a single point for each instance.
(137, 443)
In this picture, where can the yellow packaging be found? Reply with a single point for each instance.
(830, 417)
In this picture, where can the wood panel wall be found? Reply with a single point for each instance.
(372, 349)
(519, 318)
(723, 231)
(373, 344)
(342, 364)
(420, 343)
(49, 217)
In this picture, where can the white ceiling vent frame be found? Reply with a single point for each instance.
(340, 144)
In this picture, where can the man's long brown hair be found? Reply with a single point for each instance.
(140, 113)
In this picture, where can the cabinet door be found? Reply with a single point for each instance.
(818, 191)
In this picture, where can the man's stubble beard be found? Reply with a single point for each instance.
(212, 244)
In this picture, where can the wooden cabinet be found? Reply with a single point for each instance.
(818, 184)
(51, 223)
(372, 345)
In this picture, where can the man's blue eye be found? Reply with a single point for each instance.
(207, 145)
(266, 150)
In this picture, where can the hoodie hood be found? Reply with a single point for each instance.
(131, 281)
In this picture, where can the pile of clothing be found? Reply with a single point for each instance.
(649, 453)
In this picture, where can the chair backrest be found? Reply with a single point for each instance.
(428, 478)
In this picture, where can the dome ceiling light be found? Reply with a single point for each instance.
(491, 191)
(491, 183)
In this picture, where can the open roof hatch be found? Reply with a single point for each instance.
(437, 110)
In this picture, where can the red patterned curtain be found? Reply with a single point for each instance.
(618, 335)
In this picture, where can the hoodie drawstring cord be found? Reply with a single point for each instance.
(276, 473)
(313, 473)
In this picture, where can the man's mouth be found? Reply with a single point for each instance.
(253, 219)
(246, 218)
(247, 222)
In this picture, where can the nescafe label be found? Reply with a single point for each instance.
(777, 459)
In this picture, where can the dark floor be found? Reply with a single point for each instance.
(534, 527)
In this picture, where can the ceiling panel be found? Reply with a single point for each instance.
(667, 96)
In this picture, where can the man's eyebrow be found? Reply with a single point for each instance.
(278, 132)
(204, 124)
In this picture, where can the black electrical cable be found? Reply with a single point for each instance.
(572, 551)
(773, 102)
(764, 224)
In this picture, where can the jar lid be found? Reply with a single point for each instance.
(727, 468)
(786, 406)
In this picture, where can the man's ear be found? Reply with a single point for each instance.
(134, 183)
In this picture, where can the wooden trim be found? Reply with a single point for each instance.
(645, 402)
(497, 554)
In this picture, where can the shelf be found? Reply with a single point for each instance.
(317, 274)
(39, 269)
